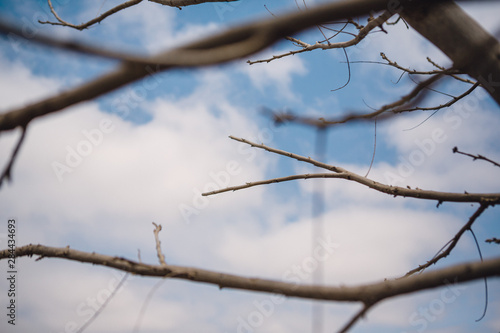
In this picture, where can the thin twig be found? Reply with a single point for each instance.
(456, 77)
(355, 318)
(374, 147)
(305, 47)
(367, 293)
(145, 304)
(451, 244)
(98, 19)
(156, 232)
(487, 198)
(439, 107)
(184, 3)
(414, 71)
(485, 279)
(7, 172)
(493, 240)
(103, 305)
(476, 157)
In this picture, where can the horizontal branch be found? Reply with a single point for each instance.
(368, 294)
(383, 113)
(487, 198)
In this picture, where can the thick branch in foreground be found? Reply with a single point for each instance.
(471, 48)
(232, 44)
(368, 294)
(487, 198)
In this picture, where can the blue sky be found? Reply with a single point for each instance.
(164, 140)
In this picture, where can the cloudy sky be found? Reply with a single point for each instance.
(97, 175)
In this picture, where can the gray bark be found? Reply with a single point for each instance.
(471, 48)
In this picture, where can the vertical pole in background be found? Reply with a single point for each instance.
(318, 227)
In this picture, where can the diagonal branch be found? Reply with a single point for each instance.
(382, 113)
(493, 240)
(476, 157)
(487, 198)
(368, 294)
(445, 105)
(438, 21)
(6, 174)
(361, 313)
(272, 181)
(451, 244)
(98, 19)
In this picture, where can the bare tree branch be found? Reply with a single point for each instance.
(363, 32)
(184, 3)
(70, 45)
(452, 75)
(156, 232)
(441, 106)
(98, 19)
(103, 305)
(451, 244)
(234, 43)
(438, 21)
(127, 4)
(6, 174)
(476, 157)
(360, 314)
(368, 294)
(383, 113)
(487, 198)
(394, 64)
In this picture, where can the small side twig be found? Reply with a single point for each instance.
(475, 157)
(161, 257)
(363, 32)
(383, 113)
(356, 317)
(493, 240)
